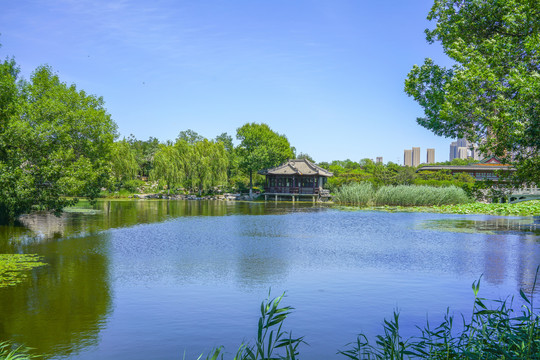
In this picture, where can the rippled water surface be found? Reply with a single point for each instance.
(155, 279)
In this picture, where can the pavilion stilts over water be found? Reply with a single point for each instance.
(296, 179)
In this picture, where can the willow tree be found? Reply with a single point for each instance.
(124, 163)
(55, 140)
(261, 148)
(208, 164)
(491, 95)
(168, 165)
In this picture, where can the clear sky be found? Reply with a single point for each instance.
(329, 74)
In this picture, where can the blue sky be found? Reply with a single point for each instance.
(327, 74)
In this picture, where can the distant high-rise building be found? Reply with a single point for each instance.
(407, 158)
(461, 143)
(430, 158)
(379, 159)
(415, 156)
(462, 152)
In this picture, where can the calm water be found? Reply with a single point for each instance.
(155, 279)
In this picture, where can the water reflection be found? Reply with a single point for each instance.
(63, 306)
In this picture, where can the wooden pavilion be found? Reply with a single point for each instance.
(295, 179)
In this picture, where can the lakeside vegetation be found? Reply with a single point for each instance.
(14, 268)
(400, 195)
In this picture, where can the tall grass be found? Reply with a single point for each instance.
(413, 195)
(364, 194)
(355, 194)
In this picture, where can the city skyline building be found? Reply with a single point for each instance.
(415, 156)
(430, 156)
(379, 160)
(407, 157)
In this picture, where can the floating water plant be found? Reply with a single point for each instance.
(14, 268)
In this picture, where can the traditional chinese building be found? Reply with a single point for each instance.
(490, 168)
(295, 179)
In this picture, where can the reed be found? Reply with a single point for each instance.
(355, 194)
(364, 194)
(493, 332)
(8, 351)
(411, 195)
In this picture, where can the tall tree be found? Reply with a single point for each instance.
(491, 94)
(232, 155)
(208, 164)
(54, 140)
(261, 148)
(190, 136)
(124, 164)
(168, 165)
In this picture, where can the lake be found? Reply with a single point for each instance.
(160, 279)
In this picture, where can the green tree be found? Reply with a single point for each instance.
(54, 140)
(144, 153)
(232, 155)
(190, 136)
(169, 164)
(305, 156)
(124, 163)
(491, 94)
(261, 148)
(208, 164)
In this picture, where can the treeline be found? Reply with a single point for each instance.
(195, 164)
(378, 174)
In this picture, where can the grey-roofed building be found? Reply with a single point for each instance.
(295, 177)
(488, 169)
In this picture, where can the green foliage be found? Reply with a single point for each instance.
(491, 94)
(133, 186)
(400, 195)
(493, 332)
(412, 195)
(189, 136)
(208, 164)
(355, 194)
(526, 208)
(169, 163)
(270, 336)
(144, 153)
(9, 351)
(261, 148)
(124, 162)
(54, 140)
(14, 267)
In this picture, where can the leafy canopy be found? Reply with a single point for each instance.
(55, 140)
(260, 148)
(491, 95)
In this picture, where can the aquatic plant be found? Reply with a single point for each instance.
(401, 195)
(270, 336)
(413, 195)
(8, 351)
(14, 267)
(491, 333)
(355, 193)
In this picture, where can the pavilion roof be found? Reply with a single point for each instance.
(297, 167)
